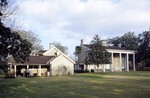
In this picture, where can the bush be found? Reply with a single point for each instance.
(10, 74)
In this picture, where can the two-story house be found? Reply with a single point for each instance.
(122, 59)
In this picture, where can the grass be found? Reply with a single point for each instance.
(87, 85)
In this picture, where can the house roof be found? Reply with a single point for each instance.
(44, 59)
(114, 47)
(37, 60)
(41, 51)
(108, 47)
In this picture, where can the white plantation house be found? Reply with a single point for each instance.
(122, 59)
(51, 61)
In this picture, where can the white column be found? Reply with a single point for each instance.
(134, 62)
(84, 67)
(95, 68)
(78, 67)
(120, 62)
(104, 68)
(112, 65)
(39, 70)
(15, 69)
(87, 67)
(50, 69)
(127, 62)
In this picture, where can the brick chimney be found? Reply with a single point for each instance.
(81, 41)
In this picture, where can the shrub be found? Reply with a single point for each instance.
(10, 74)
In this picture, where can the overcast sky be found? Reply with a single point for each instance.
(69, 21)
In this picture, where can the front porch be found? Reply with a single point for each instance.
(122, 61)
(35, 70)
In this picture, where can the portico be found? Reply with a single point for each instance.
(122, 60)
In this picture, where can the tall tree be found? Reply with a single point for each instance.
(129, 41)
(11, 43)
(32, 38)
(9, 8)
(143, 51)
(97, 54)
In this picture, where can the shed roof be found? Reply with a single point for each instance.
(37, 60)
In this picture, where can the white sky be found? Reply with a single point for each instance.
(69, 21)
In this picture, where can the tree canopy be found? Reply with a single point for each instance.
(77, 50)
(143, 51)
(128, 41)
(11, 43)
(32, 38)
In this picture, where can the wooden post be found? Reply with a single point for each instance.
(15, 70)
(112, 65)
(39, 70)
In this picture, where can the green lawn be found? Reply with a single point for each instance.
(87, 85)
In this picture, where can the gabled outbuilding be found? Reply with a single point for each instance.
(45, 63)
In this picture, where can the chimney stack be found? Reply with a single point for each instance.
(81, 41)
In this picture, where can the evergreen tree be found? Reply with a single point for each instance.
(12, 44)
(97, 54)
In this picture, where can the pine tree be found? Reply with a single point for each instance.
(97, 54)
